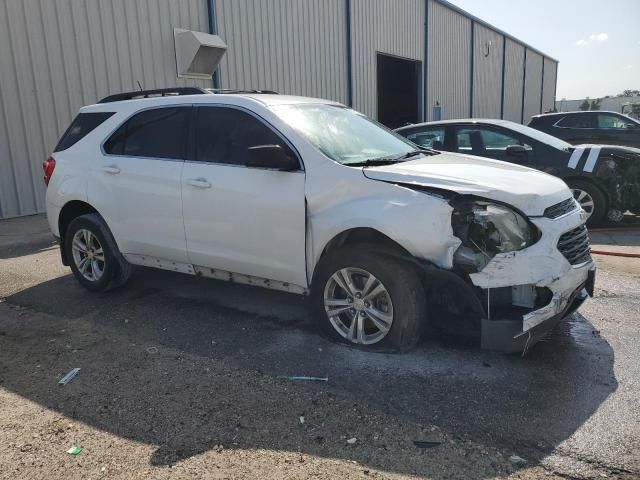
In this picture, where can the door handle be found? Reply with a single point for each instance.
(112, 169)
(199, 182)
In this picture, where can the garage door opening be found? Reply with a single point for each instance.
(398, 92)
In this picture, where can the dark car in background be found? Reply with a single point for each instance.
(608, 128)
(605, 179)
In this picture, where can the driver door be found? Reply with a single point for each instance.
(238, 218)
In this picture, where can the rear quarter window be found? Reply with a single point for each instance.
(81, 126)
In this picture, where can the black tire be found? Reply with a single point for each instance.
(399, 278)
(599, 200)
(116, 270)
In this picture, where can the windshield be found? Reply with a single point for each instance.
(345, 135)
(540, 136)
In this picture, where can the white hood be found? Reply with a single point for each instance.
(528, 190)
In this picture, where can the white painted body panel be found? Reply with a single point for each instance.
(249, 221)
(529, 190)
(141, 203)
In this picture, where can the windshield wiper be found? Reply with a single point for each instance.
(389, 160)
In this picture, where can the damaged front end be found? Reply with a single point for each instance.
(524, 273)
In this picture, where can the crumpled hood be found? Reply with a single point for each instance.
(528, 190)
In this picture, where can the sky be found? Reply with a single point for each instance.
(597, 42)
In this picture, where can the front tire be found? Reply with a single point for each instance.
(362, 296)
(93, 255)
(591, 199)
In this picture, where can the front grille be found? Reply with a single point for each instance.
(574, 245)
(559, 209)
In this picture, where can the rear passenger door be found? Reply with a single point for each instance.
(495, 143)
(238, 218)
(136, 183)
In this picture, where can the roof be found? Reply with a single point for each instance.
(490, 121)
(268, 100)
(551, 114)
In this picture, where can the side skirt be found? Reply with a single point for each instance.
(224, 275)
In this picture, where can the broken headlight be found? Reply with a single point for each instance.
(487, 229)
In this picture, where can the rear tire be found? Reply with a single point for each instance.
(386, 293)
(591, 199)
(93, 255)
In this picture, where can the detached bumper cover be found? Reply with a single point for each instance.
(542, 265)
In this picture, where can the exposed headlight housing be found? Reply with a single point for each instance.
(487, 229)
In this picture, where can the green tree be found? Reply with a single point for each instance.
(584, 106)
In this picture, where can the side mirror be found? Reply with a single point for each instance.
(516, 150)
(271, 156)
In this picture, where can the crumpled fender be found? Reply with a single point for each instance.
(419, 222)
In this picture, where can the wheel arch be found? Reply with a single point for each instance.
(362, 235)
(591, 181)
(71, 210)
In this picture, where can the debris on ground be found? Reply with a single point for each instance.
(426, 444)
(302, 419)
(152, 350)
(517, 461)
(352, 441)
(74, 451)
(69, 376)
(310, 379)
(486, 364)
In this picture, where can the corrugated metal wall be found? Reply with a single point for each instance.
(56, 56)
(290, 46)
(513, 80)
(449, 62)
(532, 85)
(395, 27)
(549, 85)
(487, 72)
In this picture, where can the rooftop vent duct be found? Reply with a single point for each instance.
(197, 53)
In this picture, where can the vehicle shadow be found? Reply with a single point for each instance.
(188, 364)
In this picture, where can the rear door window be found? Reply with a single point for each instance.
(225, 135)
(428, 137)
(577, 120)
(81, 126)
(157, 133)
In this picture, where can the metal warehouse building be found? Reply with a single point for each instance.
(395, 60)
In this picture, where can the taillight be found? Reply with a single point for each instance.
(48, 166)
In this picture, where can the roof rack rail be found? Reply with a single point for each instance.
(233, 90)
(160, 92)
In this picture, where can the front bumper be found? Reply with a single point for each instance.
(541, 267)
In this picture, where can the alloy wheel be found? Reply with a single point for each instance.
(358, 306)
(88, 255)
(585, 200)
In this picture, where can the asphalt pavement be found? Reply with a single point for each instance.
(182, 377)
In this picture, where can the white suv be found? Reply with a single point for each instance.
(308, 196)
